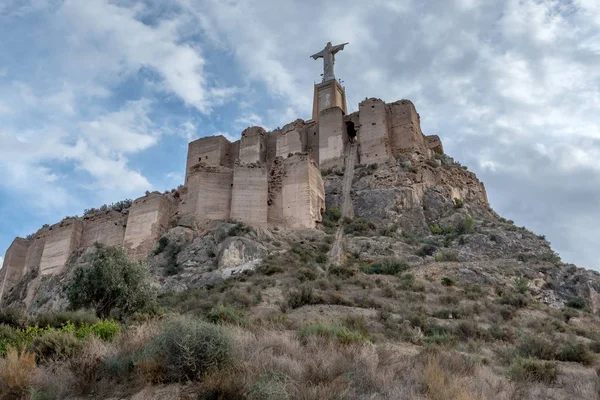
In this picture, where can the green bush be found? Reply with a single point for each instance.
(576, 352)
(58, 319)
(106, 330)
(227, 315)
(239, 229)
(522, 284)
(577, 303)
(332, 214)
(358, 226)
(531, 370)
(297, 298)
(55, 345)
(386, 267)
(426, 250)
(269, 386)
(338, 333)
(514, 299)
(446, 281)
(470, 330)
(188, 348)
(109, 281)
(537, 347)
(465, 226)
(458, 203)
(436, 229)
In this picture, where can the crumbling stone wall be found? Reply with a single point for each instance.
(62, 241)
(302, 192)
(253, 146)
(213, 150)
(434, 144)
(331, 138)
(275, 198)
(13, 267)
(291, 139)
(405, 129)
(208, 196)
(250, 194)
(148, 219)
(107, 228)
(373, 133)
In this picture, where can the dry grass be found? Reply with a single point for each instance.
(16, 372)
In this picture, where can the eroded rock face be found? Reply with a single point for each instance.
(237, 254)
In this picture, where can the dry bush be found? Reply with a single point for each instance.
(55, 380)
(16, 372)
(442, 384)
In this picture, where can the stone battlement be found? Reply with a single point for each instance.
(265, 178)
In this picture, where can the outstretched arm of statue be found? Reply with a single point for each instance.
(317, 55)
(339, 47)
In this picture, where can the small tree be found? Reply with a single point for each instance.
(108, 281)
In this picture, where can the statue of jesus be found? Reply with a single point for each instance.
(328, 55)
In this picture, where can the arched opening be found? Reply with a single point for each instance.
(351, 131)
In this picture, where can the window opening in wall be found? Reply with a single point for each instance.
(351, 131)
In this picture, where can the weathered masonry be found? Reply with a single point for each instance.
(264, 179)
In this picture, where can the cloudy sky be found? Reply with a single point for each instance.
(99, 98)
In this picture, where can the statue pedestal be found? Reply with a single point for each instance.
(328, 95)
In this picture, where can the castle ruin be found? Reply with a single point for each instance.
(264, 179)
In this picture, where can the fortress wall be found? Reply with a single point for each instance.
(62, 241)
(253, 146)
(148, 218)
(312, 140)
(275, 198)
(13, 267)
(271, 146)
(291, 139)
(209, 193)
(250, 194)
(331, 137)
(107, 228)
(373, 134)
(234, 153)
(434, 143)
(405, 128)
(212, 150)
(303, 193)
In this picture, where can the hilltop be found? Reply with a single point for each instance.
(344, 257)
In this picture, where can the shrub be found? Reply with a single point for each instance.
(105, 330)
(446, 257)
(269, 386)
(426, 250)
(297, 298)
(16, 371)
(514, 299)
(465, 226)
(161, 245)
(446, 281)
(458, 203)
(536, 346)
(522, 285)
(13, 317)
(358, 226)
(436, 229)
(331, 332)
(470, 330)
(58, 319)
(576, 352)
(239, 229)
(332, 214)
(386, 267)
(227, 315)
(55, 345)
(188, 348)
(577, 303)
(501, 333)
(343, 272)
(531, 370)
(110, 281)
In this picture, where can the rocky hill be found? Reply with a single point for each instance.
(410, 287)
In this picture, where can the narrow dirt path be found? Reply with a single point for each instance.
(336, 254)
